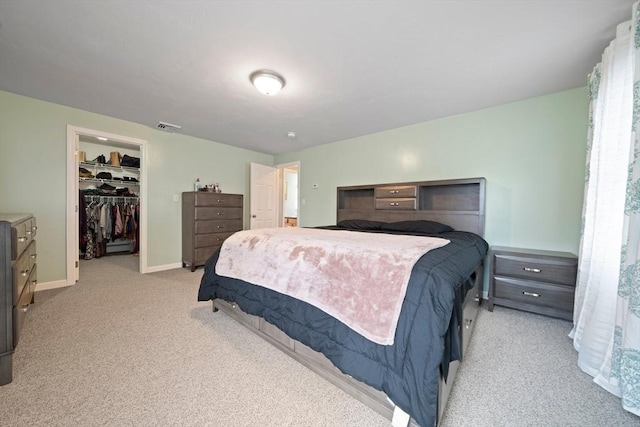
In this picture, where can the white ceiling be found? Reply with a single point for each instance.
(351, 67)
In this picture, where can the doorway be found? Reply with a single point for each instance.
(274, 195)
(288, 179)
(109, 170)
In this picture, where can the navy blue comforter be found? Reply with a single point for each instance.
(426, 337)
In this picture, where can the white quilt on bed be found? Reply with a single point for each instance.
(358, 278)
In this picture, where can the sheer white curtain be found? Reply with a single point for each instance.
(606, 329)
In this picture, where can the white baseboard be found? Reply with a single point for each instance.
(165, 267)
(45, 286)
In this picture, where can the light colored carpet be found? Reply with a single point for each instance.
(123, 349)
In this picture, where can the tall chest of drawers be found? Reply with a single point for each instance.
(19, 278)
(539, 281)
(207, 220)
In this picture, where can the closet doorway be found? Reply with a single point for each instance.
(106, 206)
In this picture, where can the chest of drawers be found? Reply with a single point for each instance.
(533, 280)
(17, 286)
(207, 220)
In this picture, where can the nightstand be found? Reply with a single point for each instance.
(539, 281)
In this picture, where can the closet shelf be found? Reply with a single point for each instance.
(100, 197)
(108, 166)
(111, 181)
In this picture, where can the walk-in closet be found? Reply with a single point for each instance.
(108, 199)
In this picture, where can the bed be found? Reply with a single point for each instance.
(413, 375)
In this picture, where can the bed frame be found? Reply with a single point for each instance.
(458, 203)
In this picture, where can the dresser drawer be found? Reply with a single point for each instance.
(19, 313)
(21, 268)
(33, 280)
(203, 254)
(34, 227)
(31, 250)
(20, 238)
(553, 270)
(213, 199)
(212, 239)
(396, 204)
(215, 212)
(227, 225)
(557, 297)
(396, 191)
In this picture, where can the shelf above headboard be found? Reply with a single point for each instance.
(456, 202)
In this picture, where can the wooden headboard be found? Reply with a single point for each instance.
(456, 202)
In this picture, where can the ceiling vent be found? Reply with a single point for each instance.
(168, 127)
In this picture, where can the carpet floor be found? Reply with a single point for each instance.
(124, 349)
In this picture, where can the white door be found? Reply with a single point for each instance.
(263, 200)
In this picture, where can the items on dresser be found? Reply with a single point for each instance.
(539, 281)
(207, 220)
(19, 278)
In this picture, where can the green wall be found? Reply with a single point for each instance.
(33, 141)
(531, 152)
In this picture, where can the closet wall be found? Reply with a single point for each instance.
(109, 199)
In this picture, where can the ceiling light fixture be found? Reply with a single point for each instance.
(267, 82)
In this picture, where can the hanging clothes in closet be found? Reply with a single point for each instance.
(106, 220)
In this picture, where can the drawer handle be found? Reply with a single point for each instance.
(467, 323)
(394, 191)
(219, 226)
(220, 213)
(394, 204)
(530, 294)
(33, 256)
(22, 239)
(34, 228)
(532, 270)
(25, 273)
(29, 232)
(219, 201)
(24, 308)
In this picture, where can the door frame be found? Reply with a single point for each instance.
(73, 138)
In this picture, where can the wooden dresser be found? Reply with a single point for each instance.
(207, 220)
(19, 278)
(533, 280)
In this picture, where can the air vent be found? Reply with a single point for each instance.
(168, 127)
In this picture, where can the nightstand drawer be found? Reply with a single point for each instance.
(557, 270)
(558, 297)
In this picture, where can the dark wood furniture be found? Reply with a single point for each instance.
(539, 281)
(17, 286)
(459, 203)
(207, 220)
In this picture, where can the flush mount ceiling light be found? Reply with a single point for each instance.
(267, 82)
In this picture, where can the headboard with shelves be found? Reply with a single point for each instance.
(456, 202)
